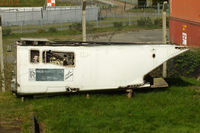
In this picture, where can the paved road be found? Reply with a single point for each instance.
(134, 36)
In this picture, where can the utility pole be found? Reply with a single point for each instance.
(1, 59)
(84, 21)
(164, 25)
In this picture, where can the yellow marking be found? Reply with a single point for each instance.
(184, 27)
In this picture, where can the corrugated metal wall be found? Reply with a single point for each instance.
(185, 9)
(38, 15)
(185, 22)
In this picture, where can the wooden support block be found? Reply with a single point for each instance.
(87, 96)
(130, 93)
(159, 83)
(22, 98)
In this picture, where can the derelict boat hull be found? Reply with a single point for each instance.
(98, 67)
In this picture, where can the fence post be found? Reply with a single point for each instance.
(84, 21)
(164, 36)
(97, 23)
(158, 9)
(21, 27)
(129, 19)
(2, 59)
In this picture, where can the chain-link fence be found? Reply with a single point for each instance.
(99, 16)
(42, 16)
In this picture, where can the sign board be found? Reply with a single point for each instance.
(51, 74)
(51, 3)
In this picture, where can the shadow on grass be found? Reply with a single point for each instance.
(98, 93)
(148, 90)
(177, 82)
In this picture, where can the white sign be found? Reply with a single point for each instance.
(184, 38)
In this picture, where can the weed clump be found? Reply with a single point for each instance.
(7, 32)
(117, 24)
(41, 31)
(145, 22)
(52, 29)
(158, 22)
(75, 27)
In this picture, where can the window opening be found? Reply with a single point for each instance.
(35, 54)
(58, 58)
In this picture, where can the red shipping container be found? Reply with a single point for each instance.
(185, 22)
(185, 9)
(184, 33)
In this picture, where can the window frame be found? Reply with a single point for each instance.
(30, 55)
(70, 66)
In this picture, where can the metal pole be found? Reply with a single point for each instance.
(1, 59)
(158, 9)
(84, 21)
(129, 19)
(164, 35)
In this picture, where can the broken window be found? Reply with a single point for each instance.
(35, 54)
(58, 58)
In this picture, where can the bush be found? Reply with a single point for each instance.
(76, 27)
(145, 22)
(90, 26)
(158, 22)
(7, 32)
(141, 22)
(52, 29)
(149, 21)
(41, 31)
(167, 21)
(117, 24)
(186, 64)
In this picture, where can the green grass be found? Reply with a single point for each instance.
(173, 110)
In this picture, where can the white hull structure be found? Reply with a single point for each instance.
(94, 67)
